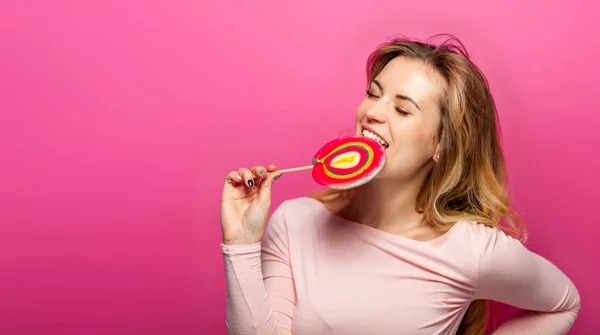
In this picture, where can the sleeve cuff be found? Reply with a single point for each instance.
(240, 249)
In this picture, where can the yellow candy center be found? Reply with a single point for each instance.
(346, 160)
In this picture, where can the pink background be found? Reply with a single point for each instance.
(119, 120)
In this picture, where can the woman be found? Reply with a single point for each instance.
(415, 251)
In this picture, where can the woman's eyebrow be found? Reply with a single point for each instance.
(398, 96)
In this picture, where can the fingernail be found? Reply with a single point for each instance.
(277, 176)
(250, 182)
(263, 173)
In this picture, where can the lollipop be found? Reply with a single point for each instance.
(346, 162)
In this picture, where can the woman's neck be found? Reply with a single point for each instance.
(389, 204)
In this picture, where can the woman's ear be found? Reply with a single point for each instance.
(436, 154)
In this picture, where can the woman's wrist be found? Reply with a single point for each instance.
(239, 242)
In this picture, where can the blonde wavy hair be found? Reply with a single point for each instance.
(469, 180)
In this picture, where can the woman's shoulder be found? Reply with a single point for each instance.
(479, 230)
(299, 205)
(299, 210)
(296, 217)
(484, 237)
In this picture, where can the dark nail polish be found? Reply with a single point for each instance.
(277, 176)
(250, 182)
(263, 173)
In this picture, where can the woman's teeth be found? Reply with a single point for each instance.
(372, 136)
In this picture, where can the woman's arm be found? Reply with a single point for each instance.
(511, 274)
(260, 288)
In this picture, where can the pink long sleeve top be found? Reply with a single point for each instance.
(316, 273)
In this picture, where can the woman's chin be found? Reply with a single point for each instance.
(381, 175)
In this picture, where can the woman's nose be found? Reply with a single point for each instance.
(376, 113)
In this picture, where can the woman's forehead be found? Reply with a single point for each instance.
(412, 78)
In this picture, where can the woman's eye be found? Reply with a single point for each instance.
(402, 111)
(371, 95)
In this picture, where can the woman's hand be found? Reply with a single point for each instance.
(245, 204)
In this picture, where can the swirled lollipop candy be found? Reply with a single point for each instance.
(346, 162)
